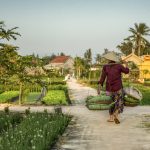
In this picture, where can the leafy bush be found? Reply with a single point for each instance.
(36, 131)
(8, 96)
(54, 97)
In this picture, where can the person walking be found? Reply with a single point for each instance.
(112, 73)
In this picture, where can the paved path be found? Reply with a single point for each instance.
(90, 131)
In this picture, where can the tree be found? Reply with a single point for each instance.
(62, 54)
(146, 51)
(22, 75)
(8, 34)
(88, 56)
(8, 58)
(8, 53)
(145, 72)
(14, 65)
(98, 58)
(47, 59)
(126, 47)
(105, 51)
(88, 61)
(79, 66)
(138, 36)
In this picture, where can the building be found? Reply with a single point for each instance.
(142, 62)
(61, 63)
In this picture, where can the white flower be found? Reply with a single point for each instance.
(33, 147)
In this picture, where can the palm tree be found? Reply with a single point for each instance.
(8, 53)
(88, 56)
(126, 47)
(138, 32)
(145, 72)
(98, 58)
(88, 61)
(146, 49)
(79, 66)
(7, 34)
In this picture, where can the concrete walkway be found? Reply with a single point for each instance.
(89, 130)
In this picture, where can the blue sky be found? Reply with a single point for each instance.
(72, 26)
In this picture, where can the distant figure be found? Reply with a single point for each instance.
(112, 73)
(73, 75)
(67, 77)
(43, 93)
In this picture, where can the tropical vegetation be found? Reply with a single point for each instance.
(136, 42)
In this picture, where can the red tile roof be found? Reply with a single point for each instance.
(60, 59)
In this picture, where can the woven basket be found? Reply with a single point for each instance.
(133, 92)
(98, 106)
(130, 104)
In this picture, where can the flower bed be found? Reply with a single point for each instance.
(9, 120)
(54, 97)
(36, 131)
(8, 96)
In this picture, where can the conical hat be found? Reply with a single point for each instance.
(111, 56)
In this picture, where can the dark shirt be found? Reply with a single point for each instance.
(113, 75)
